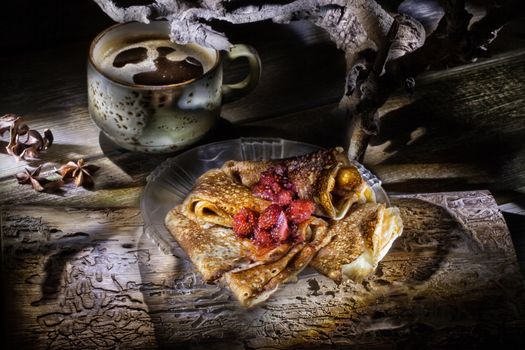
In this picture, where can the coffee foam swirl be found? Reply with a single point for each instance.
(126, 72)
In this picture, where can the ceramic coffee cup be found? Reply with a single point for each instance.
(151, 95)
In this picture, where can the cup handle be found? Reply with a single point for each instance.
(231, 92)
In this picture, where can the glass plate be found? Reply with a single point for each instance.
(172, 180)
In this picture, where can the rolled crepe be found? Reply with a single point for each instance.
(325, 176)
(216, 198)
(361, 240)
(254, 285)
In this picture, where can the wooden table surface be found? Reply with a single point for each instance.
(90, 278)
(461, 130)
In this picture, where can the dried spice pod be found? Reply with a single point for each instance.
(80, 172)
(33, 178)
(24, 143)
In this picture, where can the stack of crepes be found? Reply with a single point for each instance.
(256, 225)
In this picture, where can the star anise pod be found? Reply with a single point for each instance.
(39, 183)
(80, 171)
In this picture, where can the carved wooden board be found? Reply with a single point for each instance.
(88, 278)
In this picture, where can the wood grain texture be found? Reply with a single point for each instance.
(461, 129)
(423, 146)
(89, 278)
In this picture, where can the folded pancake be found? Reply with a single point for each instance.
(213, 250)
(360, 240)
(325, 176)
(216, 198)
(255, 285)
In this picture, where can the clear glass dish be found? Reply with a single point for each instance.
(172, 180)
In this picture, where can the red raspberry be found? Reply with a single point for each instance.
(300, 210)
(280, 231)
(274, 225)
(284, 197)
(263, 191)
(274, 186)
(270, 181)
(244, 222)
(263, 238)
(269, 177)
(269, 216)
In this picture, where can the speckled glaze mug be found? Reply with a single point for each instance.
(163, 117)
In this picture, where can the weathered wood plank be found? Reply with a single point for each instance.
(90, 278)
(461, 127)
(444, 137)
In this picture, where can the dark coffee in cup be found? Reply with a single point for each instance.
(155, 62)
